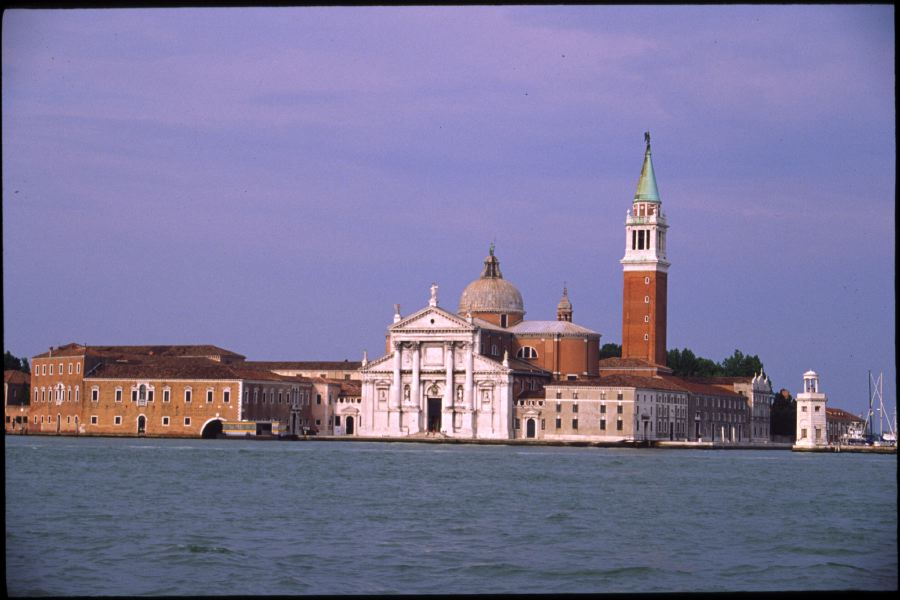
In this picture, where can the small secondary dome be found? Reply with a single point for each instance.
(490, 292)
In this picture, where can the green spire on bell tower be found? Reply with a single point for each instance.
(646, 188)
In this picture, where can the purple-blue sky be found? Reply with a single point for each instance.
(274, 180)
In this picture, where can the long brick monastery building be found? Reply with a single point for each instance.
(481, 371)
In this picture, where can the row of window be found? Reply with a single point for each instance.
(619, 425)
(42, 369)
(619, 395)
(299, 398)
(143, 393)
(59, 394)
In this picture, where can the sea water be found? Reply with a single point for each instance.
(104, 516)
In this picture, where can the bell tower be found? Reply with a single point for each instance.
(645, 271)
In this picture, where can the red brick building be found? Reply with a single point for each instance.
(16, 402)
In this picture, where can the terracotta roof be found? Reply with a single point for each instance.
(706, 389)
(179, 368)
(351, 388)
(623, 381)
(616, 362)
(321, 365)
(186, 351)
(841, 414)
(16, 377)
(522, 365)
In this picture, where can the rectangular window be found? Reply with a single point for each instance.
(318, 421)
(318, 400)
(118, 395)
(60, 368)
(187, 421)
(574, 407)
(51, 369)
(558, 422)
(619, 409)
(618, 395)
(94, 420)
(134, 395)
(226, 396)
(166, 395)
(337, 420)
(574, 423)
(70, 368)
(516, 423)
(603, 424)
(44, 370)
(817, 409)
(558, 407)
(117, 421)
(187, 395)
(558, 395)
(619, 425)
(603, 409)
(78, 367)
(803, 408)
(165, 421)
(209, 395)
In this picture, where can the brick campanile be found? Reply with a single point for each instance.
(645, 271)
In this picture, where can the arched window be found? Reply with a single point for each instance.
(526, 352)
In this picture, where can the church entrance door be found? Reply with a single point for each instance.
(529, 428)
(434, 414)
(142, 425)
(349, 422)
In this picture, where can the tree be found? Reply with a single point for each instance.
(13, 363)
(685, 363)
(741, 365)
(784, 414)
(610, 351)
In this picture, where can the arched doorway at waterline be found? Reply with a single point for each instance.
(142, 425)
(212, 429)
(348, 425)
(529, 428)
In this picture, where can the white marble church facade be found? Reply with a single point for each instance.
(435, 379)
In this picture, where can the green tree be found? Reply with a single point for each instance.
(13, 363)
(685, 363)
(610, 351)
(741, 365)
(784, 414)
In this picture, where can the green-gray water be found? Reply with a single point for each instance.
(106, 516)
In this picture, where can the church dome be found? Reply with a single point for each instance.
(491, 293)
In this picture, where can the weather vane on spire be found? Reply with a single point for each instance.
(647, 138)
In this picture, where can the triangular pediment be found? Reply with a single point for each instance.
(431, 318)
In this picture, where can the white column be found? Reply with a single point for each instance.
(414, 395)
(447, 417)
(395, 386)
(469, 423)
(413, 408)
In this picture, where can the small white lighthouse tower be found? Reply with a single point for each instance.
(811, 422)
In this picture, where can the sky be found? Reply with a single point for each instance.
(274, 180)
